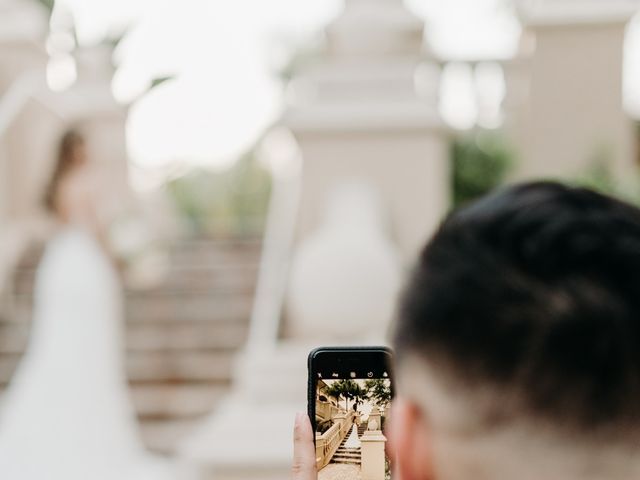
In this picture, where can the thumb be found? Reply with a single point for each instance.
(304, 452)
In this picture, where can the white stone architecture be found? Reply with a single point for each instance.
(367, 137)
(565, 88)
(23, 27)
(360, 116)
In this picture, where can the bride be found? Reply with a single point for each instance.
(66, 414)
(353, 441)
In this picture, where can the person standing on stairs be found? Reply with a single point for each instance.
(66, 414)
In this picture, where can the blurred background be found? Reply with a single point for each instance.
(271, 169)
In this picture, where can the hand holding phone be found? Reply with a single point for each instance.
(350, 391)
(304, 454)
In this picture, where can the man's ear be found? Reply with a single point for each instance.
(410, 442)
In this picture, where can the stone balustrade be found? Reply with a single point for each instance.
(329, 441)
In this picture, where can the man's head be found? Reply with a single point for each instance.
(518, 340)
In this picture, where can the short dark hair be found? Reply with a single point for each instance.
(535, 290)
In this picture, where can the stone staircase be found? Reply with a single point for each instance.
(181, 337)
(350, 456)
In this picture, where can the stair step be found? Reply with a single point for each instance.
(340, 460)
(204, 251)
(179, 366)
(348, 454)
(184, 307)
(151, 336)
(179, 279)
(189, 307)
(209, 280)
(161, 401)
(186, 336)
(218, 252)
(147, 367)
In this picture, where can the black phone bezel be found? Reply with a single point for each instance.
(355, 357)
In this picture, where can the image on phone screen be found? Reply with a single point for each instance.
(351, 408)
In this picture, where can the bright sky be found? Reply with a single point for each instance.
(224, 54)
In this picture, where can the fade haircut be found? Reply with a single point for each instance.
(535, 291)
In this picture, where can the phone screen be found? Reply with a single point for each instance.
(353, 392)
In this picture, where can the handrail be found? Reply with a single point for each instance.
(14, 239)
(23, 88)
(328, 443)
(276, 253)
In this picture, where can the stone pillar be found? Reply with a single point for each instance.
(567, 110)
(23, 30)
(357, 114)
(375, 420)
(373, 455)
(23, 27)
(373, 448)
(359, 117)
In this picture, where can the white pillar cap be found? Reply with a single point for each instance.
(577, 12)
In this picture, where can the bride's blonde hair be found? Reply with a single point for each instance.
(66, 161)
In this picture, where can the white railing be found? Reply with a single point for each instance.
(25, 87)
(13, 240)
(276, 255)
(14, 236)
(328, 443)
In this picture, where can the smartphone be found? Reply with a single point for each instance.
(350, 393)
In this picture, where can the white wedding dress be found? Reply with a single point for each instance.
(353, 441)
(66, 414)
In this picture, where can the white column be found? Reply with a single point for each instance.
(569, 114)
(366, 120)
(373, 455)
(23, 27)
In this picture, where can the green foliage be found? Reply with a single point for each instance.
(47, 4)
(157, 81)
(303, 54)
(232, 202)
(347, 389)
(480, 163)
(116, 36)
(323, 426)
(600, 178)
(378, 391)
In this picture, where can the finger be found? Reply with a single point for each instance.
(304, 451)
